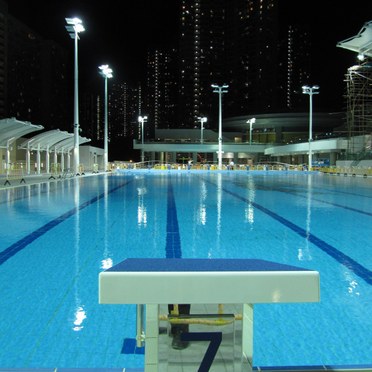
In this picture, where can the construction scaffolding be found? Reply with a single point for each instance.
(359, 95)
(359, 110)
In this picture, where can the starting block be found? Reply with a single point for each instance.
(155, 282)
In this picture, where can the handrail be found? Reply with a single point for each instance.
(266, 166)
(348, 171)
(140, 332)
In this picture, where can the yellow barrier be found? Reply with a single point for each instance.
(365, 172)
(95, 168)
(15, 173)
(236, 167)
(55, 170)
(81, 169)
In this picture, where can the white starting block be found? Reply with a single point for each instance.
(204, 281)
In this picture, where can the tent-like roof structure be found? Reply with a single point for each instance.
(68, 144)
(361, 43)
(44, 140)
(11, 129)
(55, 140)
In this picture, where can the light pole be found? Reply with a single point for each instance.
(202, 121)
(74, 26)
(142, 120)
(106, 72)
(310, 91)
(220, 89)
(250, 122)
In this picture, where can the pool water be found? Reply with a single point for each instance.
(57, 237)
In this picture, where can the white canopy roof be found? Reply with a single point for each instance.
(68, 144)
(11, 129)
(361, 43)
(55, 140)
(44, 140)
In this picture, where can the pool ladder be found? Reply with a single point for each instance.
(140, 332)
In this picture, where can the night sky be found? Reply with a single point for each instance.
(116, 32)
(119, 32)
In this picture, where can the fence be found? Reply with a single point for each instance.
(15, 173)
(211, 166)
(348, 171)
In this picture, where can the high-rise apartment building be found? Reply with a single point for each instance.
(234, 42)
(91, 115)
(294, 66)
(116, 110)
(246, 44)
(161, 88)
(252, 50)
(135, 108)
(34, 82)
(132, 108)
(3, 57)
(201, 57)
(124, 106)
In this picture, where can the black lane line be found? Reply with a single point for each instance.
(173, 241)
(340, 257)
(24, 242)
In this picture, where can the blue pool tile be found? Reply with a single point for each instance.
(89, 370)
(27, 369)
(129, 347)
(63, 272)
(292, 368)
(367, 367)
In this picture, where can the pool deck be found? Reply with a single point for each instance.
(35, 179)
(42, 178)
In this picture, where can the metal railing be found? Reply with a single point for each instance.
(212, 166)
(348, 171)
(15, 172)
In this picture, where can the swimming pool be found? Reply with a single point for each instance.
(56, 238)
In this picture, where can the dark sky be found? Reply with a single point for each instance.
(119, 32)
(329, 22)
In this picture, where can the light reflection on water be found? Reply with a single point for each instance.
(202, 209)
(106, 263)
(251, 193)
(80, 316)
(141, 210)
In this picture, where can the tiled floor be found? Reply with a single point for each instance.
(33, 179)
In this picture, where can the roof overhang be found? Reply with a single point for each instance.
(11, 129)
(45, 140)
(68, 144)
(361, 43)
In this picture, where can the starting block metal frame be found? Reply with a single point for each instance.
(204, 281)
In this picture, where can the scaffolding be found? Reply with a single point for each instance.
(359, 95)
(359, 110)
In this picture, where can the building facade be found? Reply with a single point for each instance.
(201, 57)
(161, 88)
(246, 44)
(34, 82)
(3, 58)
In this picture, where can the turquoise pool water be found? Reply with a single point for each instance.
(57, 237)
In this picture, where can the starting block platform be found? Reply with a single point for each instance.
(154, 282)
